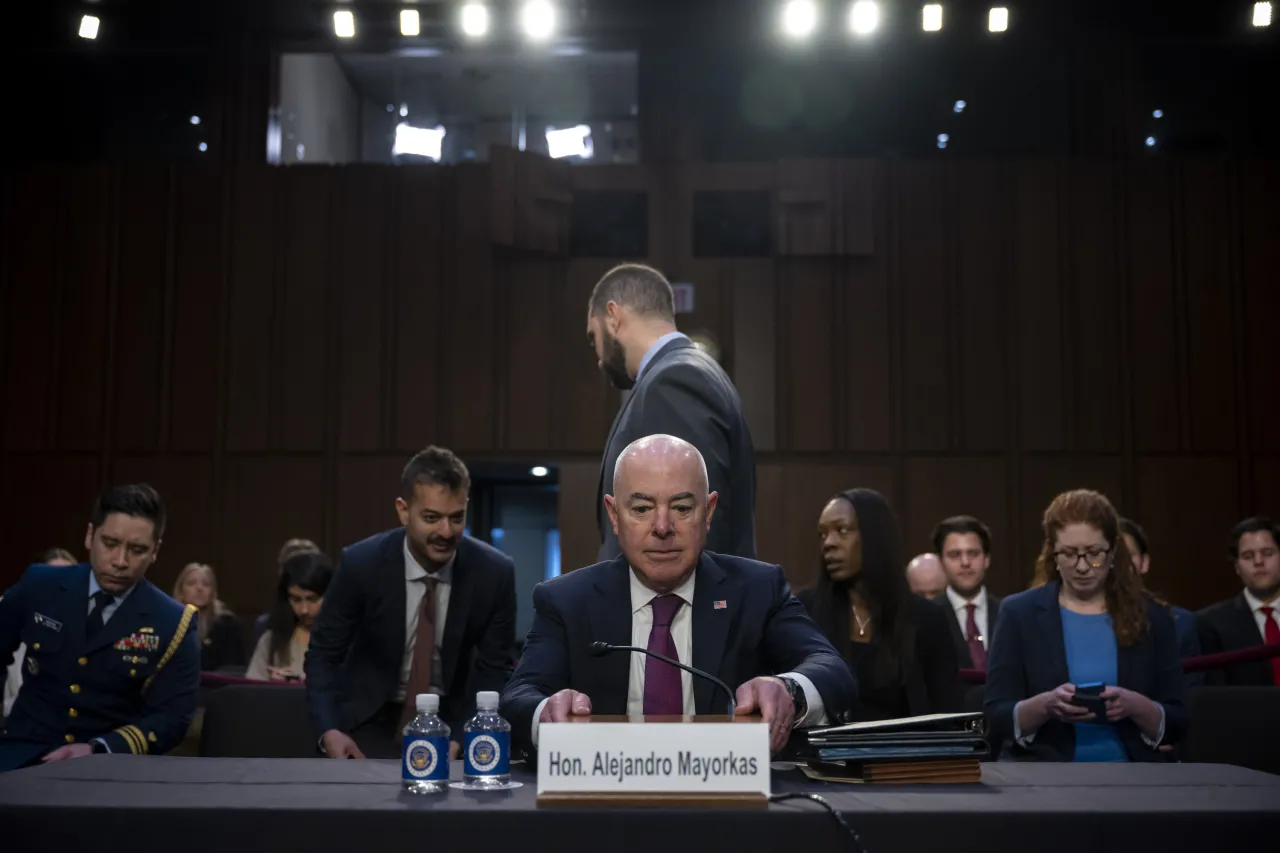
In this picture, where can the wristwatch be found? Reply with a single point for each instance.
(797, 696)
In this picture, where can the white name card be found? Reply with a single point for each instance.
(674, 758)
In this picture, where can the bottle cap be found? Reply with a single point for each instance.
(487, 700)
(427, 703)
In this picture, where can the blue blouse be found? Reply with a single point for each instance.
(1092, 657)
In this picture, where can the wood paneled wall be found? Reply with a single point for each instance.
(267, 346)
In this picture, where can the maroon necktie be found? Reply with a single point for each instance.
(977, 652)
(663, 691)
(424, 651)
(1271, 633)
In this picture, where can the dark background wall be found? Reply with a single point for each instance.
(267, 346)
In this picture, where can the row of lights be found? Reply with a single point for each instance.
(428, 142)
(800, 18)
(537, 18)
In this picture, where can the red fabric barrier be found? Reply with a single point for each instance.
(1196, 664)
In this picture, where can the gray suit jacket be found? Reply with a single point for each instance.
(684, 392)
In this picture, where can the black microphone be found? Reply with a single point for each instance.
(599, 649)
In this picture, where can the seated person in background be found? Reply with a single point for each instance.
(925, 576)
(289, 549)
(1252, 617)
(13, 677)
(220, 641)
(423, 608)
(1086, 620)
(965, 545)
(732, 617)
(299, 596)
(1184, 621)
(112, 665)
(896, 643)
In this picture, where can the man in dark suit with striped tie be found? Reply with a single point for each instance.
(733, 617)
(422, 608)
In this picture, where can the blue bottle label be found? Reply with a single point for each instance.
(426, 759)
(487, 754)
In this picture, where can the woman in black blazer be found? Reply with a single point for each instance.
(897, 644)
(221, 641)
(1087, 620)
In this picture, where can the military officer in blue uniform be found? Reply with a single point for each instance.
(112, 663)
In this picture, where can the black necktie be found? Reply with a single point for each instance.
(101, 599)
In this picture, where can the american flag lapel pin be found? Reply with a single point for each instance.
(719, 604)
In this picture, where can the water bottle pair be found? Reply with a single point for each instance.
(485, 749)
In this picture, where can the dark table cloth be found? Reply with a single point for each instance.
(111, 803)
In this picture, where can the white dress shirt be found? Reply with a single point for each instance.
(414, 589)
(1255, 605)
(961, 606)
(112, 606)
(682, 635)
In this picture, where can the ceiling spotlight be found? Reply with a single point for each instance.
(1157, 113)
(799, 18)
(344, 24)
(420, 141)
(931, 17)
(404, 110)
(998, 19)
(538, 17)
(203, 146)
(538, 471)
(943, 139)
(89, 27)
(474, 20)
(1261, 15)
(959, 107)
(195, 119)
(864, 17)
(1151, 142)
(410, 25)
(570, 142)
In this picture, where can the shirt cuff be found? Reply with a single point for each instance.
(1017, 730)
(815, 714)
(537, 715)
(107, 746)
(1159, 734)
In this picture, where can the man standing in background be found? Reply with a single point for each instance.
(925, 576)
(964, 543)
(676, 389)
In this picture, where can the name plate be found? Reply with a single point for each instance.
(653, 758)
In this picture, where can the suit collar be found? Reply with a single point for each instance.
(658, 348)
(716, 606)
(610, 618)
(1049, 618)
(461, 588)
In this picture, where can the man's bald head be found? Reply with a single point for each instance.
(926, 577)
(658, 451)
(661, 509)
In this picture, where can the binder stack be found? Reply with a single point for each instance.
(935, 748)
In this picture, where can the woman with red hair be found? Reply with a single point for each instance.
(1085, 627)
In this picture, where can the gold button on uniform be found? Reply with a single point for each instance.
(75, 688)
(73, 713)
(83, 661)
(151, 736)
(133, 672)
(71, 738)
(35, 647)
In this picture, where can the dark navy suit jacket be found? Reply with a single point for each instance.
(353, 661)
(762, 630)
(685, 393)
(111, 685)
(1028, 656)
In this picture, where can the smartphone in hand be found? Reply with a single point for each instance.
(1089, 696)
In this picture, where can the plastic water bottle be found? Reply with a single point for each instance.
(486, 748)
(425, 764)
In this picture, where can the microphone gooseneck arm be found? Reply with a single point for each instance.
(600, 649)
